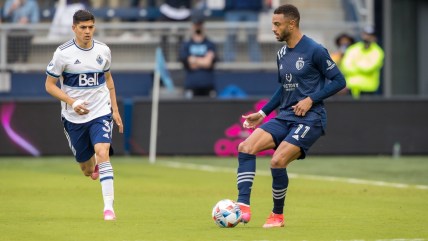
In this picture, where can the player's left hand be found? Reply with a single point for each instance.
(118, 121)
(302, 106)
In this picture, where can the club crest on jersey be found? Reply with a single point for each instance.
(50, 66)
(99, 60)
(300, 63)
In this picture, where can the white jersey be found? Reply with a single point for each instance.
(81, 72)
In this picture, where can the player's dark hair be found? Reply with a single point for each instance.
(82, 16)
(289, 11)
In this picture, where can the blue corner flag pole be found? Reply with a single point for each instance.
(163, 71)
(160, 73)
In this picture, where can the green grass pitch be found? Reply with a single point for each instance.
(329, 198)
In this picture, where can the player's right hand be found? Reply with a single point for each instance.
(252, 120)
(79, 106)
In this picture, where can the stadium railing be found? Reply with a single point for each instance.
(133, 44)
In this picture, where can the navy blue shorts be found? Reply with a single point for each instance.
(82, 137)
(302, 135)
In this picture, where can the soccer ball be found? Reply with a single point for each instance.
(226, 213)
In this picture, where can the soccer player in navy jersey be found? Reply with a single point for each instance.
(306, 76)
(88, 101)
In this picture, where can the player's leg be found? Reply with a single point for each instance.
(284, 155)
(81, 146)
(96, 173)
(88, 167)
(295, 146)
(101, 133)
(106, 179)
(258, 141)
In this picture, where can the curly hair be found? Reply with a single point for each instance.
(289, 11)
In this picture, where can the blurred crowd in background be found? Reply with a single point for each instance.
(356, 51)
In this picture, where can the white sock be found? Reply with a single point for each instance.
(106, 180)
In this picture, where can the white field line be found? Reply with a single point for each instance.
(209, 168)
(395, 239)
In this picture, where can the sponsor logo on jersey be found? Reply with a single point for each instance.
(289, 86)
(99, 60)
(77, 61)
(85, 80)
(330, 64)
(300, 63)
(288, 77)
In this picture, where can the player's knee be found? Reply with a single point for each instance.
(245, 147)
(102, 154)
(277, 163)
(279, 160)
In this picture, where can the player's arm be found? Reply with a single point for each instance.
(329, 69)
(51, 87)
(254, 119)
(336, 84)
(331, 72)
(56, 92)
(115, 109)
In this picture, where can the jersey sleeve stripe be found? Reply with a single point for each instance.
(52, 74)
(66, 44)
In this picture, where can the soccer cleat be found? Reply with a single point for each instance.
(96, 173)
(109, 215)
(246, 212)
(274, 221)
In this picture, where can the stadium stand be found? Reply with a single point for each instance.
(133, 43)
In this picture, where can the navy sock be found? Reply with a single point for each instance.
(279, 189)
(245, 176)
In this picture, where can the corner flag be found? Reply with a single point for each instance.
(163, 71)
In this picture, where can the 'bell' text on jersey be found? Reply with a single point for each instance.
(81, 72)
(302, 71)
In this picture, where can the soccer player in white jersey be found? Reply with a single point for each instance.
(88, 101)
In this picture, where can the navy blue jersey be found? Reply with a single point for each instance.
(304, 71)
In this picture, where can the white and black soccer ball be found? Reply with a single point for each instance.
(226, 213)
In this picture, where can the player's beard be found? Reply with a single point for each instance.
(284, 36)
